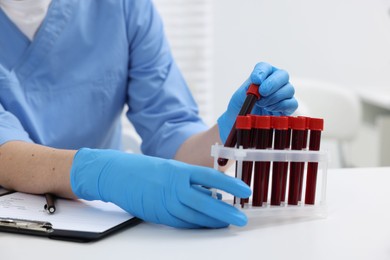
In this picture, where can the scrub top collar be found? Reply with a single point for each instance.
(21, 55)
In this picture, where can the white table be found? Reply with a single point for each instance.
(357, 227)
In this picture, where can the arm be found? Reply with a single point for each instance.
(197, 149)
(35, 168)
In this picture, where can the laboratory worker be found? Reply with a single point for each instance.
(67, 70)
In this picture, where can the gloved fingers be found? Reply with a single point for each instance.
(211, 178)
(274, 82)
(189, 214)
(206, 191)
(161, 215)
(285, 107)
(261, 71)
(285, 92)
(215, 209)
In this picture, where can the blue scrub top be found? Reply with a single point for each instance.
(68, 87)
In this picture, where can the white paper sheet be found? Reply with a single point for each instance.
(79, 215)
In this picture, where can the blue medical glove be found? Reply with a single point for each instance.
(157, 190)
(277, 97)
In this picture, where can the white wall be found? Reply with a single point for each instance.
(341, 41)
(188, 26)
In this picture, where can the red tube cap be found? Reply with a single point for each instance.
(254, 90)
(298, 123)
(307, 120)
(244, 123)
(316, 124)
(280, 122)
(261, 122)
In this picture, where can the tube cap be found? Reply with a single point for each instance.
(280, 122)
(244, 122)
(298, 123)
(307, 120)
(254, 90)
(261, 122)
(316, 124)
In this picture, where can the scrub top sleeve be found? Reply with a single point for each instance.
(11, 128)
(161, 106)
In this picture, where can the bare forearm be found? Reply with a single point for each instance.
(35, 168)
(197, 149)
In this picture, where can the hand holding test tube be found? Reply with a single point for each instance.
(277, 98)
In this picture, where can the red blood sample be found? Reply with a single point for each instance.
(298, 126)
(316, 126)
(285, 173)
(243, 130)
(280, 125)
(307, 119)
(261, 128)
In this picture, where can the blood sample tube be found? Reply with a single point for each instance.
(316, 125)
(306, 131)
(261, 126)
(268, 165)
(302, 169)
(252, 95)
(243, 127)
(288, 139)
(298, 126)
(280, 125)
(285, 172)
(248, 166)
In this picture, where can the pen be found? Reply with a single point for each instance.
(49, 206)
(250, 100)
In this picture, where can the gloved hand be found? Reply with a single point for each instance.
(157, 190)
(277, 96)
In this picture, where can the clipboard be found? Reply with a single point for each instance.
(74, 220)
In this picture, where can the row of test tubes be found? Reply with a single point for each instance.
(285, 185)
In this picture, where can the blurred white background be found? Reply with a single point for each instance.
(346, 42)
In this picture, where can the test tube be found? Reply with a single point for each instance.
(306, 131)
(252, 95)
(285, 172)
(253, 141)
(316, 126)
(298, 127)
(280, 125)
(261, 126)
(243, 127)
(305, 134)
(268, 165)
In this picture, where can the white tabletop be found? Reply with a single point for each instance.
(357, 227)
